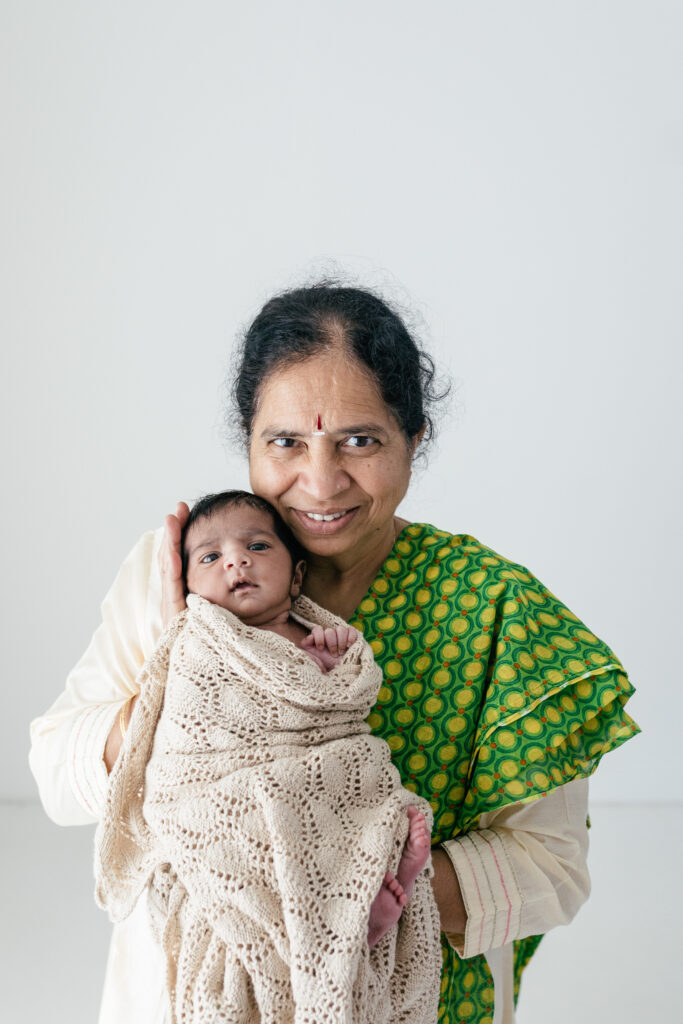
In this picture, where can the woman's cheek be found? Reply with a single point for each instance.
(269, 479)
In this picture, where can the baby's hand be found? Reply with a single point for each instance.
(329, 645)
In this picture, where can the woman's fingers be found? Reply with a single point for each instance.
(171, 564)
(174, 528)
(182, 513)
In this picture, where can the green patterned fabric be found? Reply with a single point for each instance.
(493, 693)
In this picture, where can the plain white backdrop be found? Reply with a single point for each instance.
(510, 172)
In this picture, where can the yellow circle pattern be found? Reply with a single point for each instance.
(494, 693)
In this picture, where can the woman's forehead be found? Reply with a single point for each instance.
(337, 389)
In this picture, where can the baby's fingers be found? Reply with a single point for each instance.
(332, 641)
(346, 636)
(351, 636)
(318, 635)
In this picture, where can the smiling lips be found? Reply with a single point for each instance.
(325, 522)
(320, 518)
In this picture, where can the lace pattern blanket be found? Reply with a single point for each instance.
(260, 815)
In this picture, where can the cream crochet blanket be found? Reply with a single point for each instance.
(252, 803)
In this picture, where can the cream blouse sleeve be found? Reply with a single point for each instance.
(67, 742)
(523, 871)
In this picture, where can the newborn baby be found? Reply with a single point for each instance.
(239, 554)
(268, 825)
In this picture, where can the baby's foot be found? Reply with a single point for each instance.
(386, 908)
(415, 851)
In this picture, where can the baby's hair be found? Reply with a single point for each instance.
(204, 508)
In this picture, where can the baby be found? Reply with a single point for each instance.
(251, 801)
(239, 554)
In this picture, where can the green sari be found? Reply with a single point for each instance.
(493, 693)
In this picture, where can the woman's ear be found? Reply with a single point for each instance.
(297, 579)
(415, 441)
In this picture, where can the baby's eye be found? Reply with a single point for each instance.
(259, 546)
(205, 559)
(360, 441)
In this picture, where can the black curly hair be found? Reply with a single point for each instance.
(296, 324)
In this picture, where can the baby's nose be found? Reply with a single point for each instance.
(231, 561)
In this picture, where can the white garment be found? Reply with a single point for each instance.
(522, 873)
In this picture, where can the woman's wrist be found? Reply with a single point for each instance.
(112, 747)
(447, 893)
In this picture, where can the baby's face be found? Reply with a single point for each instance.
(236, 560)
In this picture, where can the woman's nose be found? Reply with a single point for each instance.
(321, 476)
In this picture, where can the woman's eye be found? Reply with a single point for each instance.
(205, 559)
(259, 546)
(360, 441)
(283, 442)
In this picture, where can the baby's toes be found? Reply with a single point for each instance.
(396, 888)
(417, 821)
(392, 883)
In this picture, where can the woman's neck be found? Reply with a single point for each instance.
(340, 584)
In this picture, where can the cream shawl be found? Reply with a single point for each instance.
(252, 803)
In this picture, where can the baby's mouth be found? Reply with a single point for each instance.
(241, 585)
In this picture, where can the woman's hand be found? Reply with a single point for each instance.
(171, 564)
(112, 748)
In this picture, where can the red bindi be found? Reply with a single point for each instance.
(319, 432)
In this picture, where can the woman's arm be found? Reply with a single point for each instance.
(522, 872)
(170, 564)
(447, 893)
(68, 742)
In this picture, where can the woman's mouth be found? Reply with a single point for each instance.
(325, 523)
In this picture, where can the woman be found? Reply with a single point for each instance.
(497, 702)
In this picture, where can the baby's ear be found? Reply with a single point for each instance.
(297, 578)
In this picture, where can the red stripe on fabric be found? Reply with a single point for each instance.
(502, 882)
(481, 902)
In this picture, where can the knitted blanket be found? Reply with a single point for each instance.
(252, 803)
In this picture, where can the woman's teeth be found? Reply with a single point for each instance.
(324, 519)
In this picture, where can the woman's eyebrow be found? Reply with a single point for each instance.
(364, 428)
(271, 432)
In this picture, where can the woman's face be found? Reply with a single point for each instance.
(356, 471)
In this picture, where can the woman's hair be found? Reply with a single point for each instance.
(204, 508)
(300, 322)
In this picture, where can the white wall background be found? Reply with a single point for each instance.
(510, 170)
